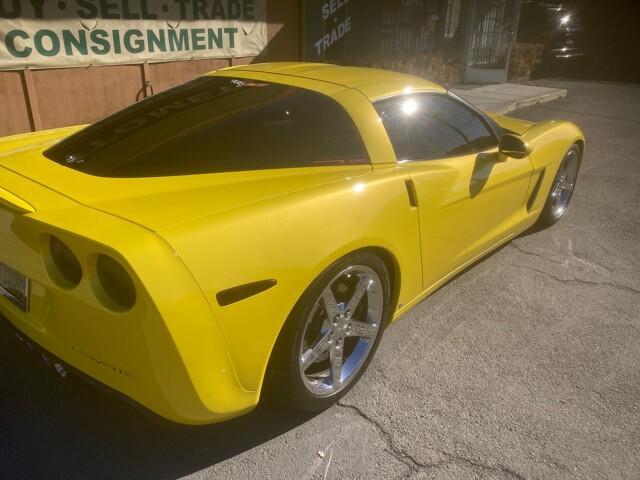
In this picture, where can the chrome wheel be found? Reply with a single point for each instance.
(564, 184)
(341, 330)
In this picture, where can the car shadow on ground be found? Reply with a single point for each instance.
(54, 428)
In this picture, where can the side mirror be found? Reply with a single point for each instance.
(513, 146)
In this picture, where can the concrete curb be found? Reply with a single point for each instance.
(507, 97)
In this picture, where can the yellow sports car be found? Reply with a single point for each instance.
(255, 230)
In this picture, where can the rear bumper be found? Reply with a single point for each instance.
(62, 369)
(164, 387)
(167, 353)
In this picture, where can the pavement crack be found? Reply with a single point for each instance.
(579, 280)
(416, 465)
(585, 261)
(393, 449)
(563, 263)
(482, 466)
(534, 254)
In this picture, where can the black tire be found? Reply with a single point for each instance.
(550, 214)
(284, 381)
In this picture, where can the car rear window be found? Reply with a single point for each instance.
(216, 124)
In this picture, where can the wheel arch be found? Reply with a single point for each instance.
(393, 269)
(385, 254)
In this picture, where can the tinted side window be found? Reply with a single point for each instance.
(216, 124)
(431, 126)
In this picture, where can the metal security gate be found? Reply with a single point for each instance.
(492, 31)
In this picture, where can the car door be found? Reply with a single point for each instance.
(469, 195)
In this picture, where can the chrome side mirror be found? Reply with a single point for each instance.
(514, 146)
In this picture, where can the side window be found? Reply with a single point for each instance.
(430, 126)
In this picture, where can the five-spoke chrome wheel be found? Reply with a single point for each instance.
(341, 329)
(564, 183)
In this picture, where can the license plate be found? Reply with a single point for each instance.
(14, 286)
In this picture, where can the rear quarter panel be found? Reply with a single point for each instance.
(292, 239)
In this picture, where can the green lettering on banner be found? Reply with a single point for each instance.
(197, 39)
(180, 43)
(100, 38)
(70, 42)
(39, 43)
(183, 8)
(217, 10)
(232, 36)
(248, 9)
(146, 15)
(12, 12)
(234, 9)
(135, 46)
(37, 8)
(158, 41)
(200, 9)
(126, 13)
(107, 8)
(116, 41)
(119, 31)
(214, 38)
(87, 9)
(11, 46)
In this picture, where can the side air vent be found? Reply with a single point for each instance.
(535, 191)
(235, 294)
(411, 192)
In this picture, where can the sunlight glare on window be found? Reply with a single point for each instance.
(409, 107)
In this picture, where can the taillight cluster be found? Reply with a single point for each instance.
(65, 269)
(110, 281)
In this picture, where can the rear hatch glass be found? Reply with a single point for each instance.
(215, 124)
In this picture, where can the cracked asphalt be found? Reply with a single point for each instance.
(526, 366)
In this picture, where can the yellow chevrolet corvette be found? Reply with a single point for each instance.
(255, 230)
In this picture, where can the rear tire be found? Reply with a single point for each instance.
(331, 335)
(562, 188)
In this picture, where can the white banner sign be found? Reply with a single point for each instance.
(65, 33)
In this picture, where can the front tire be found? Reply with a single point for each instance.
(561, 189)
(332, 334)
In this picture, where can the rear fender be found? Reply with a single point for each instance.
(292, 239)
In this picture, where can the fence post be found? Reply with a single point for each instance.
(35, 120)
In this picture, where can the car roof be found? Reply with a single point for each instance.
(374, 83)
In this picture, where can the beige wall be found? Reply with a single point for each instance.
(39, 99)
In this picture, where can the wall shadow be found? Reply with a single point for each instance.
(68, 429)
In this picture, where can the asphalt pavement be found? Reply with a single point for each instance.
(526, 366)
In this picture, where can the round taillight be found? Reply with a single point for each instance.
(67, 270)
(116, 283)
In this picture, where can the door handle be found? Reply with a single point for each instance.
(411, 193)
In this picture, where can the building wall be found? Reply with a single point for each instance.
(33, 100)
